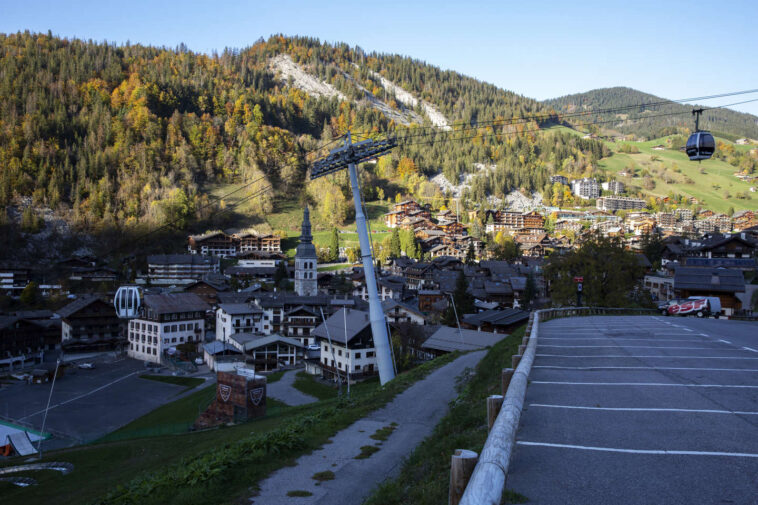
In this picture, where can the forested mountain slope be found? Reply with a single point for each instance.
(724, 122)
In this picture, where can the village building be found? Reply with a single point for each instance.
(721, 282)
(613, 203)
(400, 313)
(615, 187)
(586, 188)
(447, 339)
(232, 318)
(352, 346)
(215, 243)
(183, 269)
(166, 321)
(90, 323)
(267, 353)
(27, 340)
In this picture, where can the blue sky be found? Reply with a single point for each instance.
(542, 49)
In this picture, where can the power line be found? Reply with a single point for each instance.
(546, 115)
(445, 135)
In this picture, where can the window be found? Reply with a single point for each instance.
(339, 352)
(182, 327)
(357, 368)
(370, 354)
(357, 355)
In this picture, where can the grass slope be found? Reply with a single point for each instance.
(187, 382)
(425, 476)
(155, 463)
(709, 187)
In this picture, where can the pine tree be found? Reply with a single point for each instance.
(395, 244)
(334, 246)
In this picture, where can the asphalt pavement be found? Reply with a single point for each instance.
(87, 404)
(283, 390)
(640, 410)
(356, 478)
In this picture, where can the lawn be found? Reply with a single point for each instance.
(187, 382)
(309, 385)
(425, 476)
(708, 187)
(223, 466)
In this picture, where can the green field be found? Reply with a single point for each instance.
(187, 382)
(709, 187)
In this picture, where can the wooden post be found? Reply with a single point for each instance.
(515, 359)
(525, 340)
(521, 349)
(505, 380)
(462, 465)
(494, 402)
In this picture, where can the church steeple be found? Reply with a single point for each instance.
(305, 232)
(306, 283)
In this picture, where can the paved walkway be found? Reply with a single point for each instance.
(417, 410)
(640, 410)
(283, 390)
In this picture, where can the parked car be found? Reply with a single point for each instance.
(87, 366)
(199, 361)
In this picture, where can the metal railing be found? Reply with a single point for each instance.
(487, 481)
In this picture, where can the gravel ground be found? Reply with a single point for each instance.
(283, 390)
(356, 478)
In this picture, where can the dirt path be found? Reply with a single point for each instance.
(416, 411)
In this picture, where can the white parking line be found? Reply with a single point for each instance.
(645, 357)
(644, 368)
(725, 341)
(624, 338)
(637, 347)
(655, 384)
(645, 409)
(640, 451)
(749, 349)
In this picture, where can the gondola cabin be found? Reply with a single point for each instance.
(700, 146)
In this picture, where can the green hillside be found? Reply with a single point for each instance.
(712, 181)
(729, 123)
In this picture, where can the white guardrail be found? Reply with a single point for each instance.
(485, 485)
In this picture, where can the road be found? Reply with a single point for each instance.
(356, 478)
(640, 410)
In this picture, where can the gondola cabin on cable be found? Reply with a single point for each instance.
(701, 144)
(127, 301)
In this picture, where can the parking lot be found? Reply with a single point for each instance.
(87, 403)
(640, 410)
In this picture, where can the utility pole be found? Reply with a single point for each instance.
(346, 157)
(47, 407)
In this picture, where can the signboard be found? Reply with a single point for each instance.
(687, 307)
(225, 391)
(578, 279)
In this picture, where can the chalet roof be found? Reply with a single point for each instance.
(301, 308)
(205, 236)
(240, 308)
(518, 283)
(181, 259)
(503, 317)
(217, 285)
(175, 302)
(452, 339)
(390, 304)
(79, 304)
(744, 263)
(250, 341)
(34, 314)
(709, 279)
(497, 288)
(217, 347)
(256, 271)
(356, 321)
(496, 266)
(234, 297)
